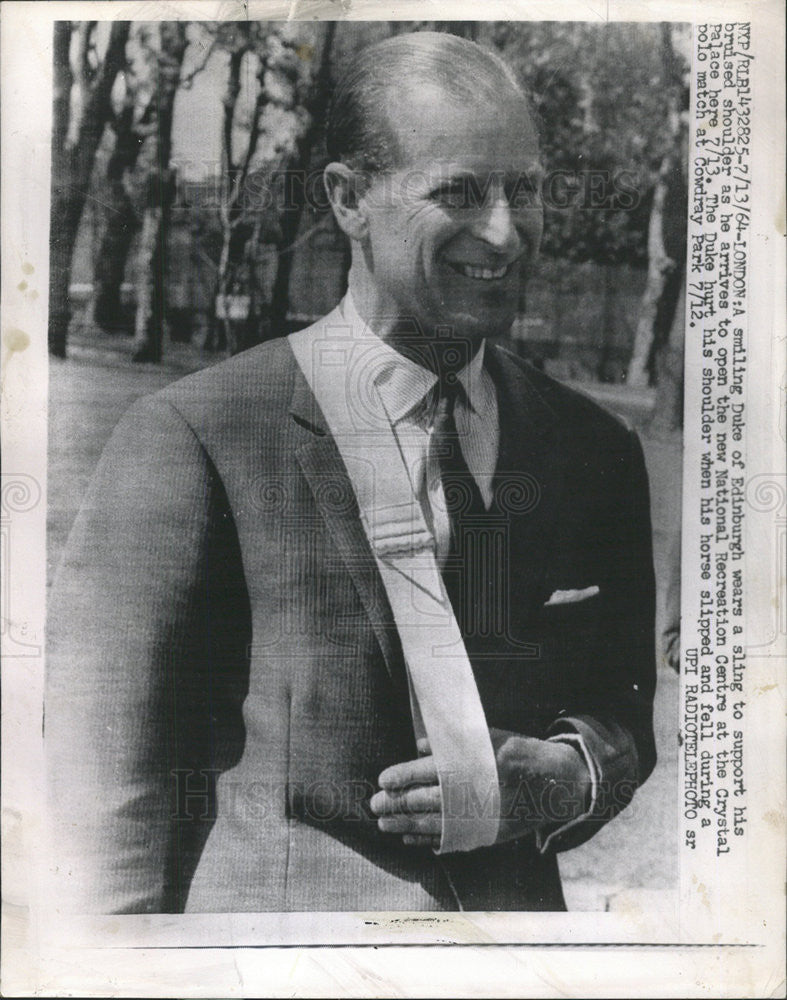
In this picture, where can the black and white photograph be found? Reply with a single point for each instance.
(472, 235)
(396, 407)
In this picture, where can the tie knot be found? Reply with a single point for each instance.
(450, 385)
(444, 412)
(447, 392)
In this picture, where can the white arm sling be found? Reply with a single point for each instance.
(340, 372)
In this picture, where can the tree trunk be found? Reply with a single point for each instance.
(110, 268)
(63, 80)
(233, 301)
(149, 317)
(666, 230)
(121, 222)
(659, 266)
(667, 416)
(665, 424)
(280, 294)
(159, 191)
(603, 365)
(257, 326)
(75, 142)
(291, 216)
(62, 232)
(220, 330)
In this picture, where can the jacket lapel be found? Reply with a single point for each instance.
(322, 465)
(528, 480)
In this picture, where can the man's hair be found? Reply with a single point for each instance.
(360, 133)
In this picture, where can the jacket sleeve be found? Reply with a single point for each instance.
(612, 713)
(146, 626)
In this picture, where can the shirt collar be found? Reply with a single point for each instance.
(403, 383)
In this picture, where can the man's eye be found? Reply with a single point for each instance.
(453, 196)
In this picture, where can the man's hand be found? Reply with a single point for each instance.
(410, 801)
(541, 782)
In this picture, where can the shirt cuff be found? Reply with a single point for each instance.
(577, 741)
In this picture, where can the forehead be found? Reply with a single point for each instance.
(433, 128)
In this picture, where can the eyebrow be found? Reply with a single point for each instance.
(453, 172)
(475, 183)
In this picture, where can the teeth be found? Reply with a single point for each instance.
(481, 273)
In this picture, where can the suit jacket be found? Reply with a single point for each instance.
(225, 681)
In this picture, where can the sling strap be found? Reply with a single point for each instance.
(340, 371)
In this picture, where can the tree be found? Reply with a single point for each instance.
(314, 103)
(81, 107)
(665, 274)
(667, 414)
(666, 239)
(264, 164)
(120, 219)
(595, 92)
(119, 183)
(239, 41)
(167, 42)
(610, 101)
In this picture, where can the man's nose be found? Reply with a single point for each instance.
(495, 226)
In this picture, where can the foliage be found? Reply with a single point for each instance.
(599, 95)
(599, 91)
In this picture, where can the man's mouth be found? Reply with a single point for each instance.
(480, 273)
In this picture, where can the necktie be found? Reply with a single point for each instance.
(463, 503)
(462, 495)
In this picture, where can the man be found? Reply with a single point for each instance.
(289, 670)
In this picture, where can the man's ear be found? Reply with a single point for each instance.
(345, 189)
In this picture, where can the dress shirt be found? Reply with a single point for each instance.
(408, 392)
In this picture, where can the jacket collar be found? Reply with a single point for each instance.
(303, 405)
(523, 408)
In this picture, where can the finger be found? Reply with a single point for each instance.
(421, 798)
(412, 772)
(420, 840)
(424, 749)
(425, 823)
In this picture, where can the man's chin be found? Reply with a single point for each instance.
(475, 327)
(471, 325)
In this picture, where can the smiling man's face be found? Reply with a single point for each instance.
(451, 232)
